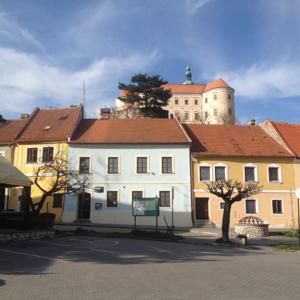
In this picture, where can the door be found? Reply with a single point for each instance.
(84, 206)
(202, 208)
(2, 198)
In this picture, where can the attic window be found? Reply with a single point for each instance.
(48, 127)
(63, 117)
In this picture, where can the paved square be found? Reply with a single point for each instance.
(84, 267)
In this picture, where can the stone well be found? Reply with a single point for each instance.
(252, 227)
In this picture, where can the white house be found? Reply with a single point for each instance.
(127, 159)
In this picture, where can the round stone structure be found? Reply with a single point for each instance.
(252, 227)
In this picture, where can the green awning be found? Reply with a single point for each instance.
(10, 176)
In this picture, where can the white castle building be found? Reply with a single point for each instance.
(210, 103)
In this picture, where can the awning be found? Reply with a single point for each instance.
(11, 176)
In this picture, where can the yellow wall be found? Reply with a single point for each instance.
(30, 169)
(285, 190)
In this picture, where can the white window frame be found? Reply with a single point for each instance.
(282, 206)
(189, 116)
(38, 160)
(279, 174)
(220, 165)
(119, 164)
(42, 151)
(118, 199)
(148, 164)
(78, 162)
(165, 190)
(136, 190)
(40, 148)
(210, 172)
(255, 172)
(256, 206)
(173, 164)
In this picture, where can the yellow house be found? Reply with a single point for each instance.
(248, 154)
(46, 134)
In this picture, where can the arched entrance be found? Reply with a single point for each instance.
(84, 206)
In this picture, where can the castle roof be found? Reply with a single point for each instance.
(233, 140)
(130, 131)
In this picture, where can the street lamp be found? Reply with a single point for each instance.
(298, 199)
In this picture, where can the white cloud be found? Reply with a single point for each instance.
(11, 31)
(26, 80)
(192, 6)
(265, 81)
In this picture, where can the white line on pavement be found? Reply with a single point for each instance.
(32, 255)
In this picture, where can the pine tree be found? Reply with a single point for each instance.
(147, 93)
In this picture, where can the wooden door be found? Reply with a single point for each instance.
(84, 206)
(202, 208)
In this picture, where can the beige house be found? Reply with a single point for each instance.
(210, 103)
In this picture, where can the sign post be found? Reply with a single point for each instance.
(145, 207)
(298, 199)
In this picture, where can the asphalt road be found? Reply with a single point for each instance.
(84, 267)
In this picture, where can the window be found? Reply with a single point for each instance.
(220, 173)
(205, 100)
(177, 115)
(84, 165)
(113, 165)
(176, 101)
(197, 118)
(222, 204)
(196, 101)
(136, 195)
(206, 115)
(277, 206)
(57, 201)
(249, 174)
(164, 198)
(215, 96)
(273, 174)
(186, 101)
(215, 112)
(32, 155)
(251, 207)
(204, 173)
(48, 154)
(229, 96)
(166, 165)
(141, 165)
(112, 199)
(186, 116)
(229, 111)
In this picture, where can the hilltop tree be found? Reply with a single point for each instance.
(147, 92)
(231, 191)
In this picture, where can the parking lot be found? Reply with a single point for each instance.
(85, 267)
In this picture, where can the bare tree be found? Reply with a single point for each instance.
(231, 191)
(60, 180)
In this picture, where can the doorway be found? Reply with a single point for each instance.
(202, 209)
(2, 198)
(84, 206)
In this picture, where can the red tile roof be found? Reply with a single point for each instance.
(10, 129)
(50, 125)
(128, 131)
(233, 140)
(290, 133)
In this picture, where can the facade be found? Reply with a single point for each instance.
(248, 154)
(192, 103)
(127, 159)
(46, 134)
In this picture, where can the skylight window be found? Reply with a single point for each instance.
(48, 127)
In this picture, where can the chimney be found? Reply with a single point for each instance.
(25, 116)
(251, 122)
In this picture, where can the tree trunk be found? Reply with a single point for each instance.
(41, 203)
(226, 221)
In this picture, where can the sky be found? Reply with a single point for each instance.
(49, 48)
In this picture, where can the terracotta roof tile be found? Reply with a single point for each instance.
(290, 133)
(233, 140)
(10, 129)
(51, 124)
(128, 131)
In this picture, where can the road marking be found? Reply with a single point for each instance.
(32, 255)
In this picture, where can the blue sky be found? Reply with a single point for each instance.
(48, 48)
